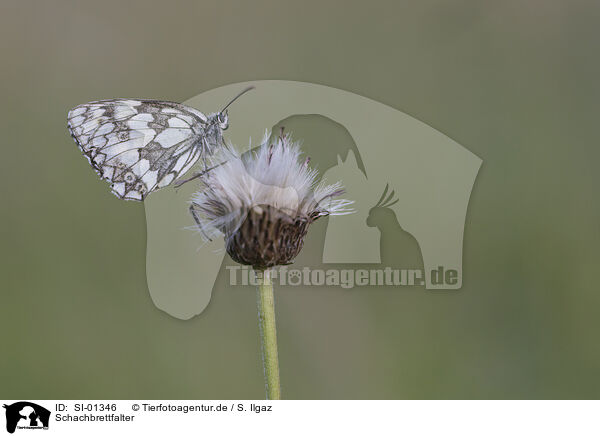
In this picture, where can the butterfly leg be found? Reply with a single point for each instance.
(197, 175)
(198, 222)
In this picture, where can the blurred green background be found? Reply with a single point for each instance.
(515, 82)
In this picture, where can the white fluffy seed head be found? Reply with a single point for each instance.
(275, 175)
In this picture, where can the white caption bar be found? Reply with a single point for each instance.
(301, 417)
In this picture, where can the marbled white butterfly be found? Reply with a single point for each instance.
(140, 146)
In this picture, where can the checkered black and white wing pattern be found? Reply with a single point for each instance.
(139, 146)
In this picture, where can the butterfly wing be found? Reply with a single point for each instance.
(139, 146)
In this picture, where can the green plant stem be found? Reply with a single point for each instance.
(268, 335)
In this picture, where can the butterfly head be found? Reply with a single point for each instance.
(222, 119)
(218, 121)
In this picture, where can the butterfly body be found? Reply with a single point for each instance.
(140, 146)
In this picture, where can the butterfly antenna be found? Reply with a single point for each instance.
(236, 97)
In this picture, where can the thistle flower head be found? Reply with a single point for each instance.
(263, 202)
